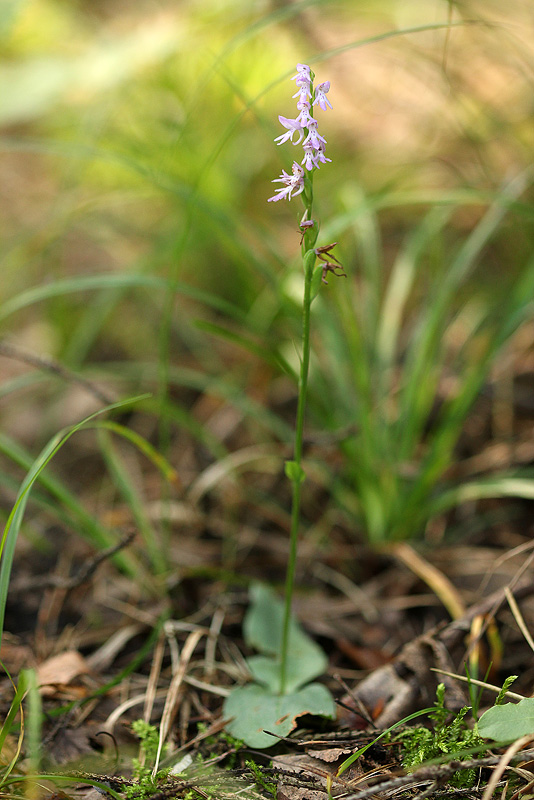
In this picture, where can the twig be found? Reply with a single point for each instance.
(47, 364)
(85, 572)
(435, 772)
(476, 682)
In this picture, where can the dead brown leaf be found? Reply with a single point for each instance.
(60, 670)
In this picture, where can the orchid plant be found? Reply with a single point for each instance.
(282, 691)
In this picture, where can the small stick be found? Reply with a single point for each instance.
(47, 364)
(85, 572)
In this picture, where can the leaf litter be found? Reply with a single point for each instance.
(108, 652)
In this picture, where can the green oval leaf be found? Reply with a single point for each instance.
(255, 709)
(508, 722)
(262, 628)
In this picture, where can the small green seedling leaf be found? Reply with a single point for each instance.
(508, 722)
(256, 709)
(506, 685)
(294, 472)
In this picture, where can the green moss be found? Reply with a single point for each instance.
(446, 737)
(260, 779)
(145, 784)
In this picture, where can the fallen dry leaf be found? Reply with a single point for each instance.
(60, 669)
(331, 754)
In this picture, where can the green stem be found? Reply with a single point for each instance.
(296, 476)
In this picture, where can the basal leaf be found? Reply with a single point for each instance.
(509, 721)
(263, 631)
(266, 670)
(256, 709)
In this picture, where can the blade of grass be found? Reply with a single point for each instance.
(497, 486)
(34, 722)
(14, 521)
(80, 520)
(144, 446)
(513, 312)
(420, 371)
(14, 710)
(276, 359)
(399, 286)
(223, 388)
(134, 500)
(113, 281)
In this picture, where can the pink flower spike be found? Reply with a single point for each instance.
(303, 130)
(320, 95)
(293, 126)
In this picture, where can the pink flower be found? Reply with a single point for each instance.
(320, 156)
(314, 138)
(305, 119)
(293, 126)
(303, 73)
(320, 95)
(293, 184)
(303, 93)
(310, 158)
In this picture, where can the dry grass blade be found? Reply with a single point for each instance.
(153, 678)
(519, 617)
(516, 551)
(433, 577)
(476, 682)
(504, 763)
(152, 685)
(117, 713)
(104, 657)
(174, 691)
(269, 457)
(211, 642)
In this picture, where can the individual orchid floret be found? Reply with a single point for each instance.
(310, 157)
(303, 73)
(320, 95)
(304, 118)
(320, 156)
(313, 138)
(293, 184)
(303, 81)
(293, 126)
(304, 93)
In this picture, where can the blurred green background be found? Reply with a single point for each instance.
(138, 249)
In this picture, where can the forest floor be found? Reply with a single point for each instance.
(394, 623)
